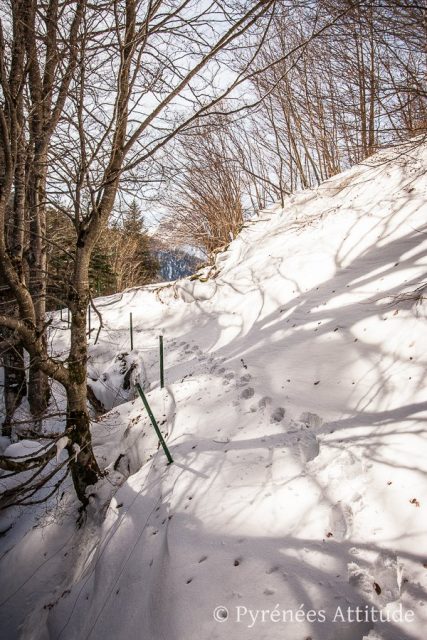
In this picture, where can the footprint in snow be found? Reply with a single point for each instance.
(311, 419)
(346, 466)
(247, 393)
(341, 520)
(277, 415)
(272, 570)
(264, 401)
(381, 582)
(306, 444)
(310, 449)
(243, 380)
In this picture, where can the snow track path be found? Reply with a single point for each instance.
(295, 412)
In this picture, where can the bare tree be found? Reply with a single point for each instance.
(358, 85)
(97, 109)
(93, 93)
(205, 202)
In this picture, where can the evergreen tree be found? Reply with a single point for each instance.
(123, 257)
(143, 265)
(133, 219)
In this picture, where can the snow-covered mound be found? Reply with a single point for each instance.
(295, 412)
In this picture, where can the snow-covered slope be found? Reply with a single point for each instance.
(295, 411)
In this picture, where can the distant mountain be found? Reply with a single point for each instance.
(176, 263)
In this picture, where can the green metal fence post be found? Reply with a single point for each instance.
(131, 331)
(154, 423)
(162, 370)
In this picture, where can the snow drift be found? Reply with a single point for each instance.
(295, 412)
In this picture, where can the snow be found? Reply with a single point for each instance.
(23, 448)
(294, 409)
(60, 446)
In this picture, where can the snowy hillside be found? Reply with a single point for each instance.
(295, 411)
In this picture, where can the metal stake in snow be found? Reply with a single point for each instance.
(154, 423)
(131, 331)
(162, 370)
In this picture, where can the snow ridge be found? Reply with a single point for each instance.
(293, 409)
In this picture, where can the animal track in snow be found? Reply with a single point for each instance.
(341, 520)
(379, 583)
(272, 570)
(278, 415)
(247, 393)
(306, 444)
(344, 475)
(311, 419)
(264, 401)
(243, 380)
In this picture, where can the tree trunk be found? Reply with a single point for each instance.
(38, 387)
(83, 465)
(15, 386)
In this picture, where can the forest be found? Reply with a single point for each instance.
(136, 134)
(211, 112)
